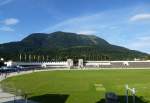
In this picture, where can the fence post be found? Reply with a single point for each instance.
(14, 99)
(26, 99)
(126, 93)
(133, 93)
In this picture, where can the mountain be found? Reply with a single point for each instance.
(61, 45)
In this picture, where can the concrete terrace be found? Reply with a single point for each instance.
(11, 98)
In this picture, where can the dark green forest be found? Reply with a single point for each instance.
(59, 46)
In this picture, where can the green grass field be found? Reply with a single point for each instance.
(87, 86)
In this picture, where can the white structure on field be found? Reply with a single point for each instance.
(126, 63)
(69, 63)
(80, 63)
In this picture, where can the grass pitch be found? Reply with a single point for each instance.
(87, 86)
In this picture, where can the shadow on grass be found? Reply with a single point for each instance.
(122, 99)
(50, 98)
(18, 101)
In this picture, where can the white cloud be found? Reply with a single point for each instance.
(89, 24)
(10, 21)
(77, 22)
(4, 2)
(6, 24)
(140, 17)
(6, 29)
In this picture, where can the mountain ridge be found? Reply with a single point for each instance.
(67, 45)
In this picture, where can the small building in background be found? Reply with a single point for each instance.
(9, 63)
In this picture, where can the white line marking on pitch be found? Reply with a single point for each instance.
(99, 87)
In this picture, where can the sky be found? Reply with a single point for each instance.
(120, 22)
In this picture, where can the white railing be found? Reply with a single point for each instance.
(42, 64)
(118, 63)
